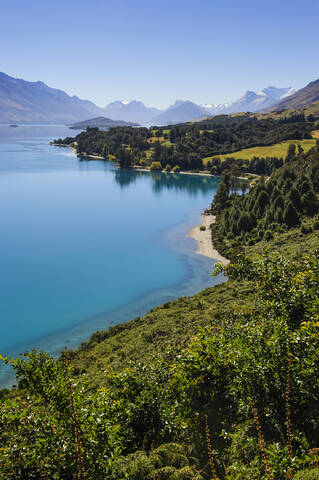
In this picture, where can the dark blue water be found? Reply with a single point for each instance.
(84, 245)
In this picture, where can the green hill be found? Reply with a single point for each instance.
(101, 122)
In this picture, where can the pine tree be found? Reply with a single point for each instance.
(262, 200)
(221, 196)
(291, 152)
(279, 216)
(244, 223)
(309, 202)
(304, 187)
(290, 215)
(294, 197)
(279, 203)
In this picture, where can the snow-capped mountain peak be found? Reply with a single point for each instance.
(252, 101)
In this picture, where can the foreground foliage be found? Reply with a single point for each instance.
(246, 384)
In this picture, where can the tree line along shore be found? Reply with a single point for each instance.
(208, 145)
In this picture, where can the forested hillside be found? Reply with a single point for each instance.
(287, 199)
(186, 145)
(220, 385)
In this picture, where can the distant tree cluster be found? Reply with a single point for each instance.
(257, 165)
(186, 145)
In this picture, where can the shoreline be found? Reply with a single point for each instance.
(204, 239)
(137, 169)
(204, 173)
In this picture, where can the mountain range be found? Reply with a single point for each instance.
(252, 101)
(35, 102)
(181, 111)
(134, 111)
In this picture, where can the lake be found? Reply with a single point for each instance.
(85, 245)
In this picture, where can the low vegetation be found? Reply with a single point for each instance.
(237, 396)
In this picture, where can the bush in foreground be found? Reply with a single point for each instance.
(241, 397)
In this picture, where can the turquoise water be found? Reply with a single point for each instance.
(84, 245)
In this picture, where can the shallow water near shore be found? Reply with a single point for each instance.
(84, 245)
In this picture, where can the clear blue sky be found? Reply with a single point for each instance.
(158, 51)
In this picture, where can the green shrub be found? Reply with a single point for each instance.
(316, 225)
(156, 166)
(176, 169)
(167, 462)
(268, 235)
(202, 228)
(168, 168)
(306, 229)
(309, 474)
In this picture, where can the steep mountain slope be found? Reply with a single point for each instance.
(304, 96)
(22, 101)
(252, 101)
(181, 111)
(134, 111)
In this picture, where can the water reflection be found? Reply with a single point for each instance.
(161, 181)
(193, 184)
(124, 178)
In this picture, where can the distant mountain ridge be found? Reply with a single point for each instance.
(181, 111)
(35, 102)
(134, 111)
(305, 96)
(31, 102)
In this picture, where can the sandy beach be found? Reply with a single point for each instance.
(204, 240)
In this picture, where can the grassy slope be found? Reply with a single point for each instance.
(170, 324)
(278, 150)
(161, 140)
(175, 322)
(291, 244)
(311, 109)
